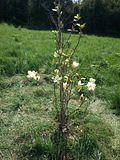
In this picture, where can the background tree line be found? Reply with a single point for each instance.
(100, 16)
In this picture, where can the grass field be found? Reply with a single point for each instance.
(26, 115)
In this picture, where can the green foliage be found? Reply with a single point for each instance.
(101, 15)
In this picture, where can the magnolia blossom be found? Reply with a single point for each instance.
(38, 77)
(67, 61)
(72, 137)
(65, 85)
(92, 80)
(56, 54)
(82, 97)
(79, 85)
(56, 79)
(33, 75)
(54, 31)
(91, 84)
(75, 64)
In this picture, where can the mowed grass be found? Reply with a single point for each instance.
(26, 113)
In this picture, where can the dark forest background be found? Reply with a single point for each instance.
(100, 16)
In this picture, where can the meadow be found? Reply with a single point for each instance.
(26, 113)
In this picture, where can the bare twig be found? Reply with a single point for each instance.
(50, 14)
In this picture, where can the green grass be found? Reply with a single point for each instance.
(26, 116)
(22, 50)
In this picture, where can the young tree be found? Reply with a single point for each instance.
(65, 79)
(65, 76)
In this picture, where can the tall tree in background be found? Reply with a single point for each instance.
(99, 15)
(3, 7)
(112, 15)
(17, 11)
(92, 12)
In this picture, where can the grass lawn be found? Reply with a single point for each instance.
(26, 113)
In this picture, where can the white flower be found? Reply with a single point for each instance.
(33, 75)
(64, 130)
(56, 54)
(54, 31)
(38, 77)
(75, 64)
(92, 80)
(56, 79)
(91, 84)
(67, 61)
(35, 78)
(80, 83)
(65, 85)
(71, 137)
(82, 97)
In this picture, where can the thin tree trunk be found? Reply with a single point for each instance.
(62, 116)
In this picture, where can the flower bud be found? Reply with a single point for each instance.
(75, 64)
